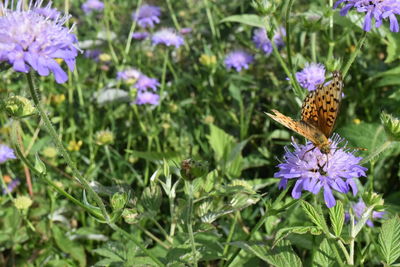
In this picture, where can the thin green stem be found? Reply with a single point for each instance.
(287, 26)
(314, 47)
(210, 19)
(354, 54)
(344, 250)
(110, 164)
(230, 235)
(172, 13)
(62, 149)
(189, 188)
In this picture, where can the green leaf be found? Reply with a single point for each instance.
(322, 256)
(248, 19)
(389, 240)
(336, 214)
(282, 255)
(317, 218)
(155, 155)
(284, 232)
(219, 141)
(75, 250)
(108, 254)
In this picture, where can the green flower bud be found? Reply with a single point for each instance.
(23, 202)
(391, 125)
(373, 199)
(191, 169)
(131, 216)
(19, 107)
(105, 137)
(118, 201)
(265, 7)
(151, 199)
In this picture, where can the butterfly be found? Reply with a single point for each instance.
(318, 114)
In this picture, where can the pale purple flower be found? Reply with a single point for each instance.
(11, 186)
(92, 54)
(261, 41)
(185, 31)
(359, 209)
(377, 10)
(143, 83)
(140, 35)
(314, 170)
(92, 5)
(6, 153)
(48, 12)
(128, 74)
(168, 37)
(311, 76)
(280, 33)
(238, 60)
(30, 40)
(147, 98)
(147, 16)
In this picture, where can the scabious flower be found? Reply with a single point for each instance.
(140, 35)
(31, 40)
(144, 82)
(92, 54)
(129, 75)
(168, 37)
(373, 9)
(6, 153)
(48, 12)
(262, 42)
(147, 98)
(147, 16)
(359, 209)
(11, 186)
(92, 5)
(185, 31)
(238, 60)
(280, 33)
(311, 76)
(314, 171)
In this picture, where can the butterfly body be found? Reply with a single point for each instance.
(318, 114)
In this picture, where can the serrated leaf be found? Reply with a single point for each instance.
(322, 256)
(389, 240)
(336, 214)
(317, 218)
(108, 254)
(282, 255)
(248, 19)
(284, 232)
(220, 141)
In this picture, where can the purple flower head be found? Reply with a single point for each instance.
(167, 37)
(140, 35)
(147, 16)
(143, 83)
(30, 40)
(314, 171)
(238, 60)
(147, 98)
(378, 10)
(11, 186)
(6, 153)
(311, 76)
(48, 12)
(280, 33)
(185, 31)
(261, 41)
(128, 74)
(359, 209)
(92, 5)
(92, 54)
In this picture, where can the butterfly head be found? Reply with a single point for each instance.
(325, 147)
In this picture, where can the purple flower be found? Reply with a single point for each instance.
(147, 98)
(48, 12)
(262, 41)
(147, 16)
(11, 186)
(278, 37)
(185, 31)
(314, 171)
(30, 40)
(311, 76)
(238, 60)
(129, 74)
(359, 209)
(92, 54)
(140, 35)
(6, 153)
(167, 37)
(373, 9)
(92, 5)
(143, 83)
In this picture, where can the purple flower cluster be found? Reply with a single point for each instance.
(140, 35)
(128, 74)
(6, 153)
(92, 5)
(31, 40)
(238, 60)
(147, 16)
(359, 209)
(314, 170)
(11, 186)
(311, 76)
(262, 42)
(168, 37)
(378, 10)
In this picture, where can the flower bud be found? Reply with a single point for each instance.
(391, 125)
(118, 201)
(151, 199)
(264, 7)
(191, 169)
(23, 202)
(131, 216)
(19, 107)
(105, 137)
(208, 60)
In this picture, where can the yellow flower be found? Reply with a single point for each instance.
(58, 99)
(49, 152)
(105, 137)
(104, 57)
(74, 145)
(357, 121)
(208, 60)
(23, 202)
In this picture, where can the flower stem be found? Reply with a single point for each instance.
(189, 187)
(354, 54)
(62, 149)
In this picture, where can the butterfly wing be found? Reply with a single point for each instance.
(321, 106)
(300, 127)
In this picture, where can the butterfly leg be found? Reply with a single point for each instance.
(307, 152)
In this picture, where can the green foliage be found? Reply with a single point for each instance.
(389, 240)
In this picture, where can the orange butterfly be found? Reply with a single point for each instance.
(318, 114)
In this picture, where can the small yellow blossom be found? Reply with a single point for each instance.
(23, 202)
(104, 57)
(357, 121)
(209, 119)
(105, 137)
(208, 60)
(74, 145)
(49, 152)
(58, 99)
